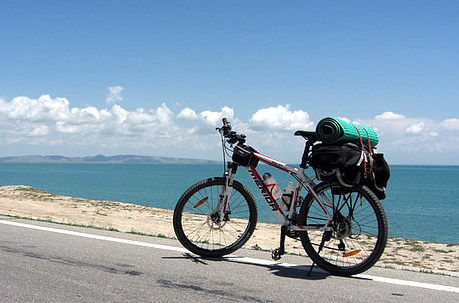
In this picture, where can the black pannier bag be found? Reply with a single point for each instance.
(243, 155)
(379, 177)
(350, 164)
(342, 162)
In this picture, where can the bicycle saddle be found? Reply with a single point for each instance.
(309, 135)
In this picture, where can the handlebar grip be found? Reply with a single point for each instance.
(226, 124)
(232, 136)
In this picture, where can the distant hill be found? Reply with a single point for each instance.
(120, 159)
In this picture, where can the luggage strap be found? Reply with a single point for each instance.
(363, 148)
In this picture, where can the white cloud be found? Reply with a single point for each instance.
(24, 116)
(140, 116)
(389, 116)
(47, 124)
(119, 113)
(215, 118)
(450, 124)
(417, 140)
(280, 118)
(62, 127)
(187, 114)
(164, 114)
(114, 94)
(40, 130)
(43, 108)
(416, 128)
(345, 119)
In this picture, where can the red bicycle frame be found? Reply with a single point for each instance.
(302, 181)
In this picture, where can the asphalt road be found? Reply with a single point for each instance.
(42, 262)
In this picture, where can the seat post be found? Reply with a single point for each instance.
(310, 138)
(305, 157)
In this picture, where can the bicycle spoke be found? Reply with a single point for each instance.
(203, 229)
(359, 230)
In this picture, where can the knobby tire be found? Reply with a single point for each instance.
(194, 218)
(359, 229)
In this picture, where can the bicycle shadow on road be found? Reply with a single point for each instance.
(285, 270)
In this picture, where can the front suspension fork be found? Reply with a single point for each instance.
(225, 193)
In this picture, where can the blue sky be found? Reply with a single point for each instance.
(155, 77)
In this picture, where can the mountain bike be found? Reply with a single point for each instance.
(342, 229)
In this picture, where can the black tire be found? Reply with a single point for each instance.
(359, 229)
(197, 230)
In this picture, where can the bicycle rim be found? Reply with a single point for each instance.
(358, 232)
(198, 230)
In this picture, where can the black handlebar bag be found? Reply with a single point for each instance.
(243, 155)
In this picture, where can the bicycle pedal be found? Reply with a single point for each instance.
(276, 254)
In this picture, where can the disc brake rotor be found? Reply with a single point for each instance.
(214, 222)
(343, 228)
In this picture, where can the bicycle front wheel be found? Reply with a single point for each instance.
(198, 227)
(356, 235)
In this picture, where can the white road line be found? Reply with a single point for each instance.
(231, 257)
(409, 283)
(97, 237)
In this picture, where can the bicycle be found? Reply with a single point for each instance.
(343, 230)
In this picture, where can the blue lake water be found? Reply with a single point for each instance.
(422, 201)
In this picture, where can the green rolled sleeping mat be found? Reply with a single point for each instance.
(333, 130)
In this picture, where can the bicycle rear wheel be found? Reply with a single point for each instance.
(357, 233)
(196, 223)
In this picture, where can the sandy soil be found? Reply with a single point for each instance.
(24, 201)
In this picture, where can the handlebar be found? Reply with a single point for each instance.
(231, 136)
(234, 137)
